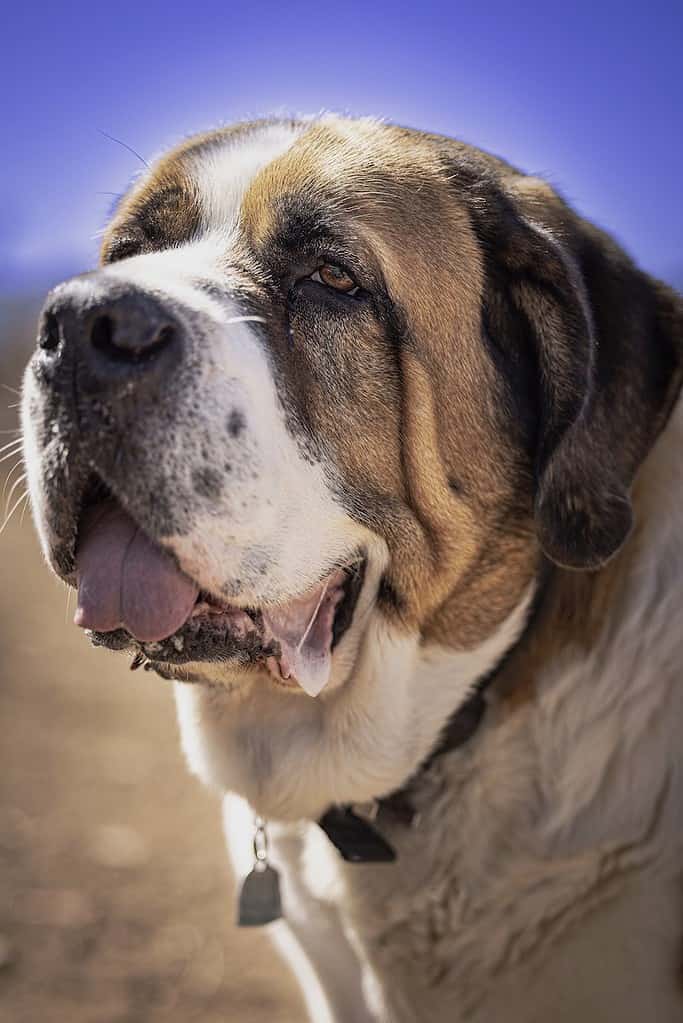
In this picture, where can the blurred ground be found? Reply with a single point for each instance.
(116, 905)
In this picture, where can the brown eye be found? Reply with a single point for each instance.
(335, 277)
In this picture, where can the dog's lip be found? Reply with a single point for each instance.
(90, 489)
(204, 637)
(208, 636)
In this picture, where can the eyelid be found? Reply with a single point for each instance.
(369, 278)
(317, 279)
(342, 261)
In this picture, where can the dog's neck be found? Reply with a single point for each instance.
(564, 807)
(573, 614)
(357, 837)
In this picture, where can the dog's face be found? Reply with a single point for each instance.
(293, 423)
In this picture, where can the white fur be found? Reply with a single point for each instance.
(330, 977)
(291, 757)
(224, 172)
(399, 698)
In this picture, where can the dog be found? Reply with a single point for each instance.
(374, 447)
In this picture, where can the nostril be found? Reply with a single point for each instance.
(164, 337)
(125, 346)
(102, 334)
(49, 338)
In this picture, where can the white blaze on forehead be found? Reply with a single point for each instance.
(224, 172)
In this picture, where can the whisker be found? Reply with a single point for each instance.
(12, 511)
(15, 440)
(8, 477)
(10, 454)
(12, 390)
(246, 319)
(17, 483)
(69, 591)
(23, 512)
(125, 146)
(312, 619)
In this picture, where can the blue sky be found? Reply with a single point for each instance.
(589, 95)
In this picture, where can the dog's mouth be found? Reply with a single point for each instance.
(132, 595)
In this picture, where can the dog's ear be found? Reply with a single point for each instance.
(605, 342)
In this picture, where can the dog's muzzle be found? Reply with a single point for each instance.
(132, 421)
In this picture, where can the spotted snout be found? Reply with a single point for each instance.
(146, 391)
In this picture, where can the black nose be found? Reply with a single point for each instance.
(116, 333)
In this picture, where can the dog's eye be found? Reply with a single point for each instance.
(335, 277)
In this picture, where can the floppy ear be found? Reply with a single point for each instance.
(606, 344)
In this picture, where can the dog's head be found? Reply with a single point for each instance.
(334, 392)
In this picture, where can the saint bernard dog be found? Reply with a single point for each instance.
(374, 447)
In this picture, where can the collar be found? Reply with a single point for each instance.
(359, 839)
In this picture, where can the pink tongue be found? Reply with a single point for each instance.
(126, 580)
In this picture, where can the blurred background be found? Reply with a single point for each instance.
(115, 899)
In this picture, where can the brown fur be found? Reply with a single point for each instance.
(573, 612)
(459, 455)
(421, 242)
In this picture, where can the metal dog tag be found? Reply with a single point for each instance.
(260, 897)
(259, 901)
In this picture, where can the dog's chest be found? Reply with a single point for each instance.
(475, 913)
